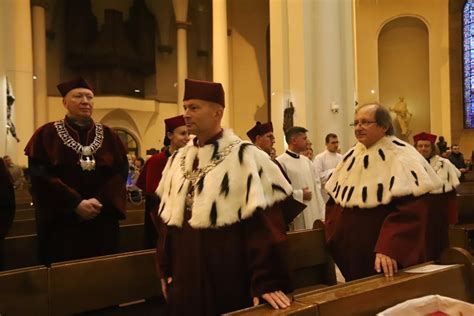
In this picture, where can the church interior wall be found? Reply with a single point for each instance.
(160, 88)
(3, 82)
(371, 17)
(248, 21)
(403, 57)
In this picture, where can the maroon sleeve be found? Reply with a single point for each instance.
(403, 232)
(154, 172)
(267, 251)
(7, 200)
(113, 193)
(452, 207)
(162, 247)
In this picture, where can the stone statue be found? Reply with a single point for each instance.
(288, 116)
(403, 116)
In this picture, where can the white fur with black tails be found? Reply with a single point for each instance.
(368, 177)
(447, 172)
(267, 185)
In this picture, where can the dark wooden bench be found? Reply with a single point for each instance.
(22, 251)
(96, 283)
(25, 222)
(310, 264)
(462, 234)
(371, 295)
(24, 292)
(26, 213)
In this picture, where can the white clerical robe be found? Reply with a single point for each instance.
(302, 174)
(324, 163)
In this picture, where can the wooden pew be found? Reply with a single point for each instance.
(26, 213)
(310, 264)
(21, 251)
(22, 227)
(25, 222)
(96, 283)
(374, 294)
(462, 234)
(24, 292)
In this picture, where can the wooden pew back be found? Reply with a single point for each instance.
(372, 295)
(24, 292)
(90, 284)
(310, 263)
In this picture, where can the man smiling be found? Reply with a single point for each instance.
(377, 213)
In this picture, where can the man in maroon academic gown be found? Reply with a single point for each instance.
(262, 136)
(444, 201)
(377, 214)
(221, 234)
(175, 138)
(7, 206)
(78, 172)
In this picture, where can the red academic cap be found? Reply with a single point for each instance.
(425, 136)
(204, 90)
(78, 82)
(171, 124)
(259, 129)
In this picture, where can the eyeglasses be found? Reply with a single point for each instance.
(362, 123)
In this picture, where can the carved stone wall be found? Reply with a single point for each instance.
(115, 58)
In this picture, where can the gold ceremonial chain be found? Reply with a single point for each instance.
(86, 153)
(195, 175)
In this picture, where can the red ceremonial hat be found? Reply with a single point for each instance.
(78, 82)
(425, 136)
(259, 129)
(171, 124)
(204, 90)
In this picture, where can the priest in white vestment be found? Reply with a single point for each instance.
(303, 177)
(325, 162)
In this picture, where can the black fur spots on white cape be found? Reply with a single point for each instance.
(368, 177)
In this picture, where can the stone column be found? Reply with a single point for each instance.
(39, 61)
(181, 14)
(19, 70)
(220, 55)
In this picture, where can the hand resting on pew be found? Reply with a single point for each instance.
(386, 264)
(164, 286)
(276, 299)
(89, 209)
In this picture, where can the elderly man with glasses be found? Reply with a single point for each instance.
(376, 217)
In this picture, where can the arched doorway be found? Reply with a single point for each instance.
(131, 144)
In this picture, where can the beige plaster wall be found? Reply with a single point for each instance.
(248, 20)
(370, 17)
(404, 70)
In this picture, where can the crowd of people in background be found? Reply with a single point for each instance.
(369, 198)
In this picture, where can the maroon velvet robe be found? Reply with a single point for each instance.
(217, 270)
(7, 205)
(442, 213)
(59, 185)
(398, 230)
(148, 182)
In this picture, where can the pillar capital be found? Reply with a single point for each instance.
(39, 3)
(183, 25)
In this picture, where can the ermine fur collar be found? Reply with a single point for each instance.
(369, 177)
(447, 172)
(243, 182)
